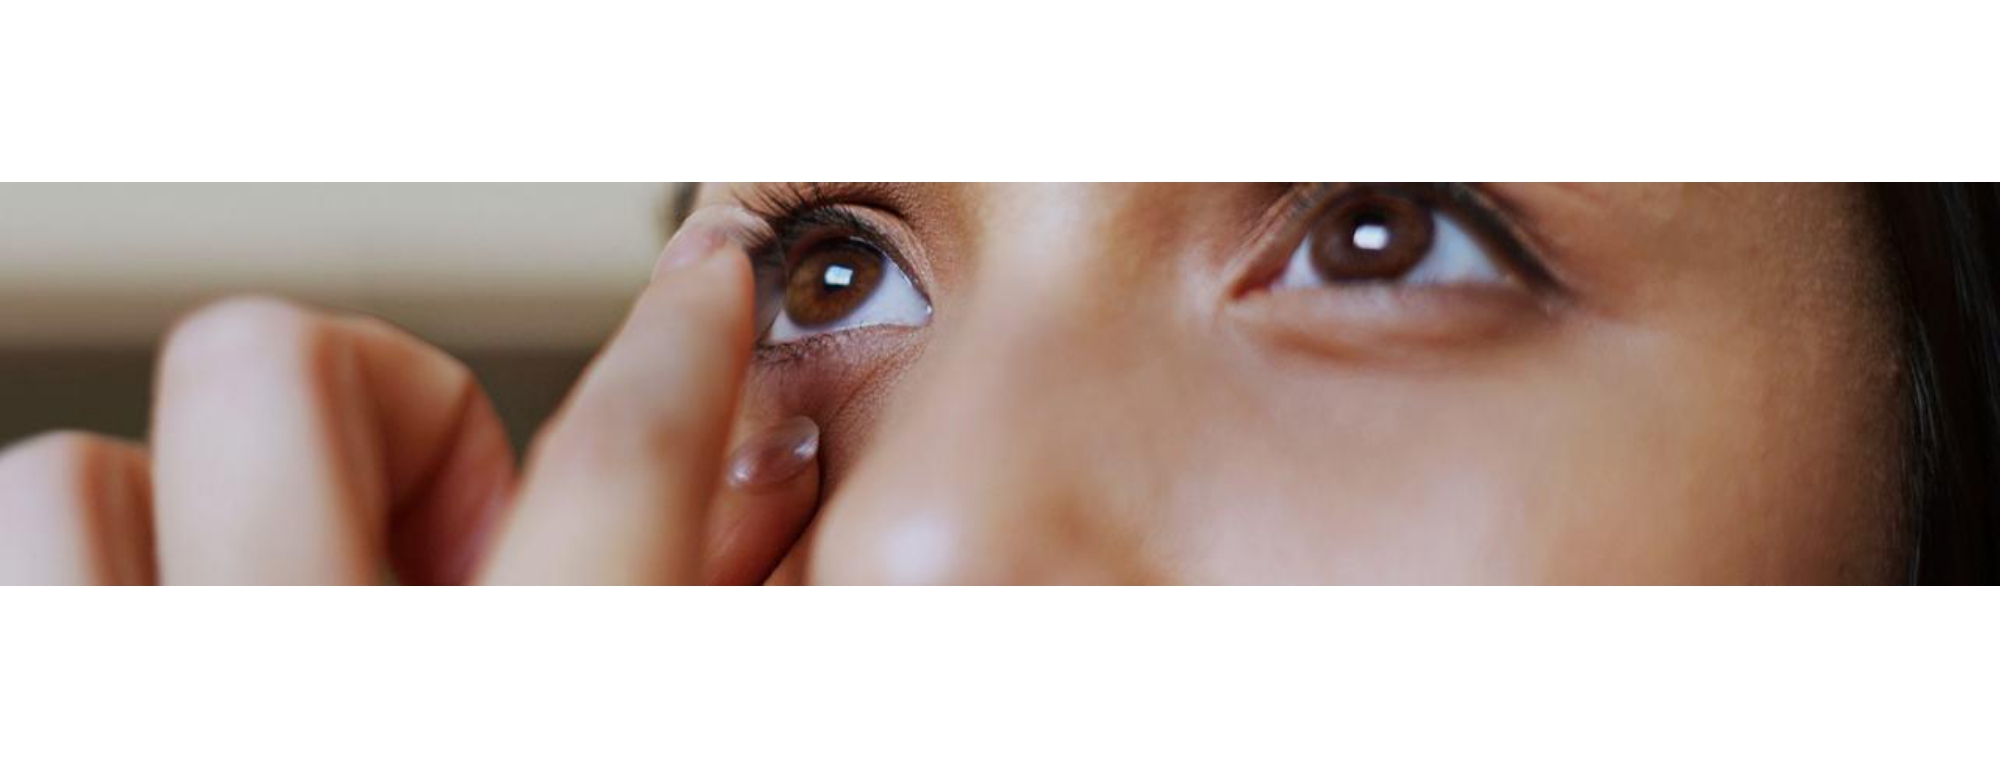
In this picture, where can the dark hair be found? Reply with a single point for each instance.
(1944, 238)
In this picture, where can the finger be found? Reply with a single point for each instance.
(298, 447)
(769, 495)
(75, 509)
(619, 483)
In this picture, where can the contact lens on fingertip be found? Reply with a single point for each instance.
(776, 455)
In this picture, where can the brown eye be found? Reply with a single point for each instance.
(1374, 237)
(831, 281)
(1371, 236)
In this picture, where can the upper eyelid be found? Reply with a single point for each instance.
(808, 206)
(1521, 248)
(786, 206)
(788, 201)
(1491, 219)
(785, 228)
(802, 211)
(774, 198)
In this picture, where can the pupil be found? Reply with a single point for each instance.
(1371, 232)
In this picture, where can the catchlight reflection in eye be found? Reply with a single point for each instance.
(845, 286)
(1371, 235)
(1387, 239)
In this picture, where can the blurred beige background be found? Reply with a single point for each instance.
(523, 281)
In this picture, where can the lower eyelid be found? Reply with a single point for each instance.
(828, 380)
(1390, 323)
(824, 346)
(794, 351)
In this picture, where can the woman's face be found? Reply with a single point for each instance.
(1282, 383)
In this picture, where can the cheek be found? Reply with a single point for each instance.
(1332, 475)
(1600, 455)
(1605, 455)
(1732, 457)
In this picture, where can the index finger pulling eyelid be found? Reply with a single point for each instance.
(688, 336)
(681, 351)
(618, 487)
(709, 231)
(693, 318)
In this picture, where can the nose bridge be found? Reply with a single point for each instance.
(981, 471)
(1019, 344)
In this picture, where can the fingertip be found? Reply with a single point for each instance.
(620, 484)
(708, 232)
(770, 499)
(774, 456)
(75, 509)
(712, 298)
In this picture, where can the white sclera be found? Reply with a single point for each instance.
(896, 301)
(1455, 258)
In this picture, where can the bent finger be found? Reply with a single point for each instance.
(294, 446)
(75, 509)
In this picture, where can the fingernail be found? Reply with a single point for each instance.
(775, 456)
(705, 233)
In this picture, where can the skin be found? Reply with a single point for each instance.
(1106, 391)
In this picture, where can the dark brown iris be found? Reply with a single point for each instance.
(831, 280)
(1371, 236)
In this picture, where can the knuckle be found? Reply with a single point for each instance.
(455, 372)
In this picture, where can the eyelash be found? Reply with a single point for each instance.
(803, 349)
(795, 212)
(1485, 217)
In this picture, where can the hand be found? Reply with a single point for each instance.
(295, 446)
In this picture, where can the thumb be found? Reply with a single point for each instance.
(769, 495)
